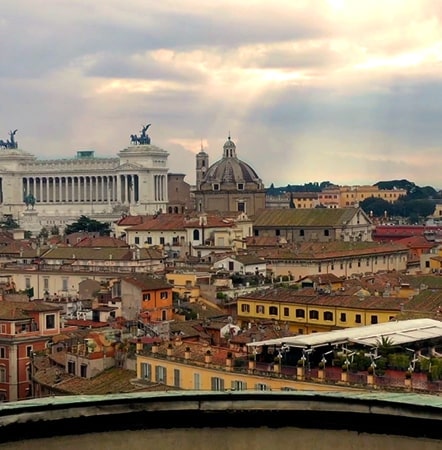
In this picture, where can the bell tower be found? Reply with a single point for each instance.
(202, 164)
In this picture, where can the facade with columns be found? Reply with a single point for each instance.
(55, 192)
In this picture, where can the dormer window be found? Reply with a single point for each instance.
(240, 186)
(216, 187)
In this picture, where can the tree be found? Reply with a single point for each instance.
(87, 224)
(8, 222)
(44, 233)
(377, 206)
(55, 231)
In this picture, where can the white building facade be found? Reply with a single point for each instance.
(55, 192)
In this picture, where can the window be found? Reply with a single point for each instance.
(319, 268)
(28, 283)
(176, 377)
(262, 387)
(326, 232)
(161, 374)
(146, 297)
(374, 319)
(2, 352)
(196, 235)
(300, 313)
(358, 318)
(164, 295)
(71, 367)
(286, 312)
(301, 232)
(162, 241)
(2, 374)
(341, 266)
(240, 186)
(50, 321)
(196, 382)
(259, 309)
(46, 284)
(328, 315)
(64, 284)
(241, 207)
(359, 263)
(83, 371)
(245, 308)
(277, 232)
(137, 240)
(343, 317)
(146, 371)
(217, 384)
(238, 385)
(273, 311)
(149, 240)
(313, 314)
(28, 351)
(216, 187)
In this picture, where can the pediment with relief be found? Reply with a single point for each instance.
(130, 166)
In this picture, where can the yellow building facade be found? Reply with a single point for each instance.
(351, 196)
(187, 374)
(186, 284)
(305, 314)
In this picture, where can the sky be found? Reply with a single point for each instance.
(346, 91)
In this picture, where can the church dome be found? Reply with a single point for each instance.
(230, 169)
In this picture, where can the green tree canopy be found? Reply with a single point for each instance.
(87, 224)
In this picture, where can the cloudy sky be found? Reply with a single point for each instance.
(310, 90)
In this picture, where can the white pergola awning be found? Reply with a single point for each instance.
(397, 332)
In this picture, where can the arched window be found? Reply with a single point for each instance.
(196, 235)
(328, 315)
(170, 210)
(273, 311)
(300, 313)
(313, 314)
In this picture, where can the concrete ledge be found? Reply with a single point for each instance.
(405, 415)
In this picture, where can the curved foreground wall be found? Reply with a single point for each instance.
(230, 420)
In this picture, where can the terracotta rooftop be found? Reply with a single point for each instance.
(103, 254)
(327, 250)
(101, 241)
(10, 310)
(282, 295)
(147, 282)
(309, 217)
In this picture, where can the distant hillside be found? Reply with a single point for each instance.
(413, 191)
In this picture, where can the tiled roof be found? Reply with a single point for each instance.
(429, 301)
(336, 300)
(160, 222)
(110, 381)
(419, 281)
(104, 254)
(417, 242)
(325, 278)
(147, 282)
(309, 217)
(131, 220)
(10, 310)
(264, 241)
(101, 241)
(327, 250)
(86, 323)
(249, 259)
